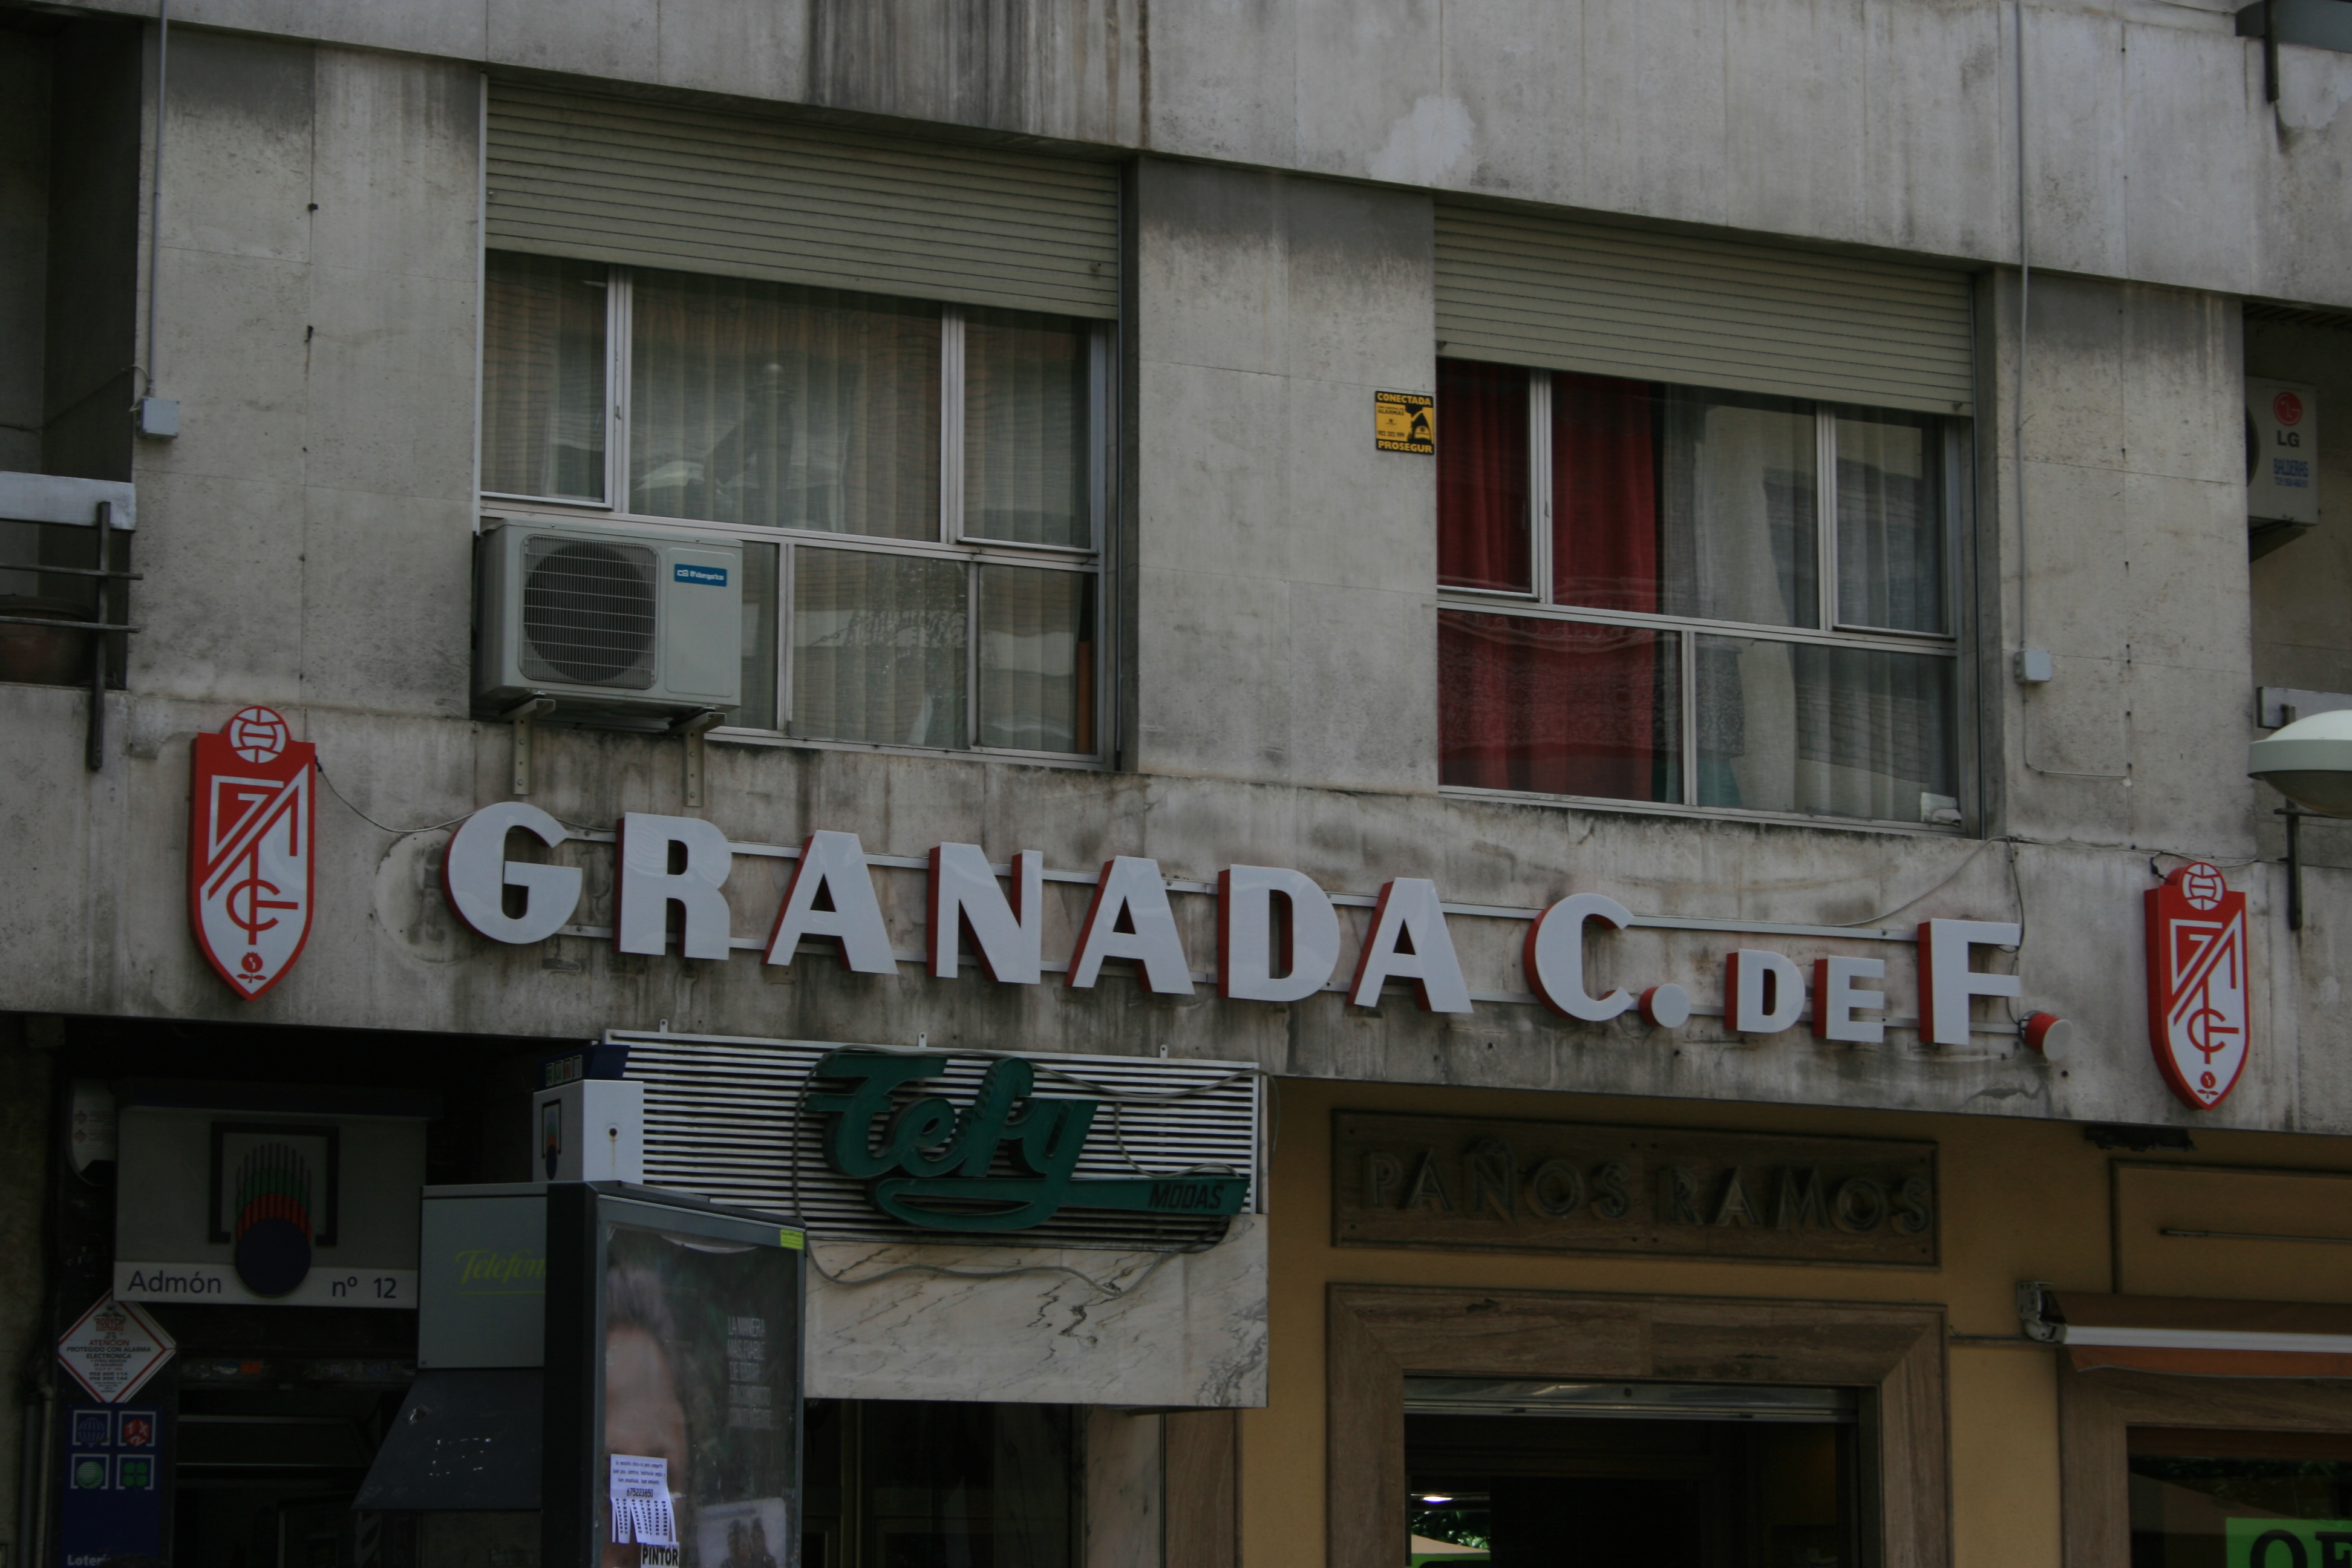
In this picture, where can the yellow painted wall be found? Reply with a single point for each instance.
(2019, 1200)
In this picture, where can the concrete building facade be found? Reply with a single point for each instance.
(2084, 229)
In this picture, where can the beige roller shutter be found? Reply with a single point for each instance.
(1571, 294)
(620, 181)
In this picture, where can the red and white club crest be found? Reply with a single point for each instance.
(249, 843)
(2197, 987)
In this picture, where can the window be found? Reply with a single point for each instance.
(2268, 1500)
(922, 1484)
(919, 488)
(1661, 594)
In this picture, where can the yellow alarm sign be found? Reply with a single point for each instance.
(1405, 422)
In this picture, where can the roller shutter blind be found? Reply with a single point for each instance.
(619, 181)
(1569, 294)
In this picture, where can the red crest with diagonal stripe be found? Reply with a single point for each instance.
(2198, 1013)
(250, 849)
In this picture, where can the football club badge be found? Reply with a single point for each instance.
(250, 848)
(2196, 983)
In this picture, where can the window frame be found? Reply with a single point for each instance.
(1954, 454)
(949, 541)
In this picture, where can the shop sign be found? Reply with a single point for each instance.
(250, 848)
(928, 1162)
(2198, 1015)
(1133, 1154)
(2267, 1540)
(113, 1349)
(1278, 933)
(262, 1210)
(1480, 1183)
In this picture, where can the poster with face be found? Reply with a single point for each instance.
(702, 1373)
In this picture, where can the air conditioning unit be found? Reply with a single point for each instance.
(609, 620)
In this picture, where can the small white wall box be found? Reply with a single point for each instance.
(2282, 452)
(609, 620)
(592, 1130)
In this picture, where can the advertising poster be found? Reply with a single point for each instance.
(700, 1385)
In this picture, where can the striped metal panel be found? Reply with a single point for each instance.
(648, 184)
(1559, 293)
(723, 1122)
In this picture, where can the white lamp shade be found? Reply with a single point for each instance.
(2309, 762)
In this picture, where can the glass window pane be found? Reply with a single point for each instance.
(543, 377)
(1482, 476)
(878, 647)
(2222, 1497)
(1741, 533)
(1890, 525)
(1558, 707)
(1604, 484)
(1838, 731)
(1036, 659)
(1025, 429)
(776, 406)
(917, 1484)
(759, 709)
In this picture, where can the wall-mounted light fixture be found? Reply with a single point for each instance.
(2310, 762)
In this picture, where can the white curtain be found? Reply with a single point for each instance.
(878, 647)
(775, 406)
(1025, 429)
(1035, 658)
(543, 377)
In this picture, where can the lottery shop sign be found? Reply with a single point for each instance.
(253, 819)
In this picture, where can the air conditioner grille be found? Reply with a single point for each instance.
(588, 614)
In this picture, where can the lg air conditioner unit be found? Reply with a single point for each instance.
(604, 620)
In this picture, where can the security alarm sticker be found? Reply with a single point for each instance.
(1405, 422)
(641, 1503)
(2196, 983)
(250, 848)
(113, 1349)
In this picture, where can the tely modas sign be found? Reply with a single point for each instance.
(250, 849)
(113, 1349)
(2197, 992)
(927, 1161)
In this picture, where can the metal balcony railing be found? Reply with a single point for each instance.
(111, 508)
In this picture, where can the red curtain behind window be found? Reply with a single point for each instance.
(1556, 707)
(1604, 490)
(1552, 707)
(1482, 476)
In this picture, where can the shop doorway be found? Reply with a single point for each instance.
(1529, 1474)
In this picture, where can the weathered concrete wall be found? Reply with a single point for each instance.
(95, 921)
(2151, 152)
(306, 544)
(2133, 551)
(318, 325)
(1284, 569)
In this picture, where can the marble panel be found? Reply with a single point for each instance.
(1058, 1326)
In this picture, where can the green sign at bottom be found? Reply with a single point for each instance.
(2289, 1544)
(928, 1163)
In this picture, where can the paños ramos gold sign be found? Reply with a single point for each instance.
(1484, 1185)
